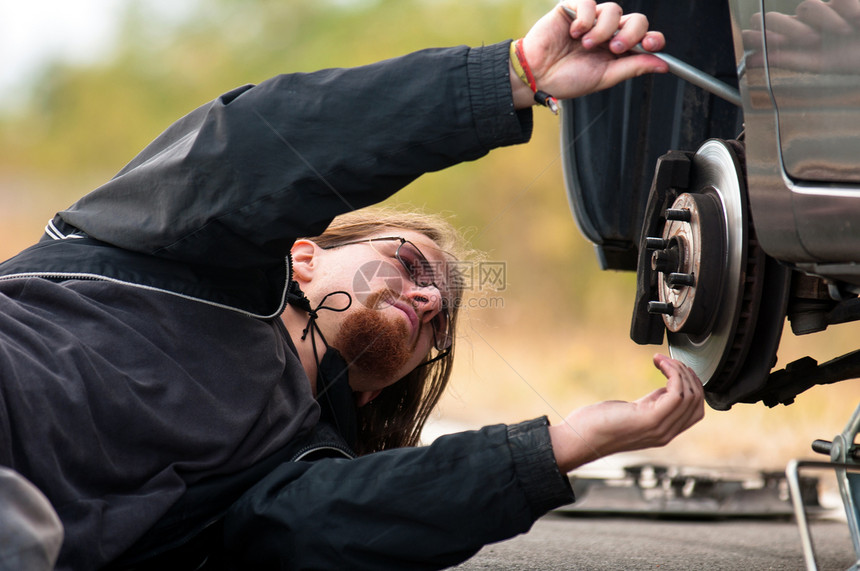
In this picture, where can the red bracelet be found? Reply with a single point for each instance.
(541, 97)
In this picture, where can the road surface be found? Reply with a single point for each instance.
(565, 542)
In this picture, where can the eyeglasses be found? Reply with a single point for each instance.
(421, 272)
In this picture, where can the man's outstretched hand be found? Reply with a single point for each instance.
(608, 427)
(574, 58)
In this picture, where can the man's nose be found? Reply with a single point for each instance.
(427, 301)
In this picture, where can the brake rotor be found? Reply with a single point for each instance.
(702, 275)
(717, 354)
(709, 268)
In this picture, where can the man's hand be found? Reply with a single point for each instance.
(573, 58)
(605, 428)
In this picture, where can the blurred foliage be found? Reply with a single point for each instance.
(83, 119)
(84, 123)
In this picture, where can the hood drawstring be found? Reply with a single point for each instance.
(331, 365)
(297, 298)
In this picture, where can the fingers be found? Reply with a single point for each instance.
(848, 9)
(632, 30)
(598, 24)
(632, 66)
(805, 27)
(654, 41)
(605, 27)
(824, 17)
(686, 394)
(782, 28)
(681, 378)
(670, 368)
(586, 14)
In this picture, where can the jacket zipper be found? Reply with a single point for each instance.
(98, 277)
(328, 446)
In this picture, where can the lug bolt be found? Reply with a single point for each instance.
(659, 307)
(679, 214)
(652, 243)
(679, 279)
(664, 261)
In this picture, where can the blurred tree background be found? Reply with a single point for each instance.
(556, 336)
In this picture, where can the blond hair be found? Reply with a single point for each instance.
(396, 417)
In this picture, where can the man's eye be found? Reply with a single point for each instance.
(421, 270)
(410, 261)
(424, 270)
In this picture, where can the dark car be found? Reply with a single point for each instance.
(735, 217)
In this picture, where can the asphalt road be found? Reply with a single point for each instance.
(564, 541)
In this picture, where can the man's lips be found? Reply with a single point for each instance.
(410, 315)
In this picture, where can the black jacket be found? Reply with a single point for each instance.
(190, 238)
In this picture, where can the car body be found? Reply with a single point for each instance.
(773, 187)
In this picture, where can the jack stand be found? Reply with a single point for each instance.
(845, 461)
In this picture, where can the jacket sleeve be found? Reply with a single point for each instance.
(410, 508)
(236, 181)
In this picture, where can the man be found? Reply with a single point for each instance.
(172, 351)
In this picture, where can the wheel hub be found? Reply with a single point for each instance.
(689, 261)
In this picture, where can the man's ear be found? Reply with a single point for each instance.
(304, 254)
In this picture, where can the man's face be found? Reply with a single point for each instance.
(386, 332)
